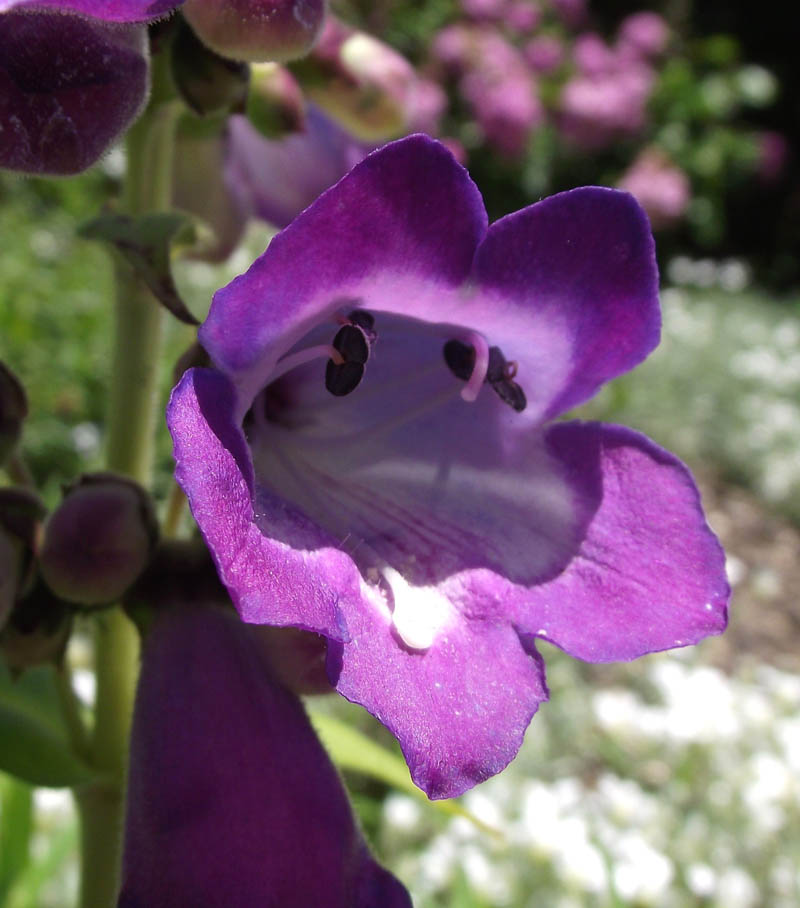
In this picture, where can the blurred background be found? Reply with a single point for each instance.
(672, 781)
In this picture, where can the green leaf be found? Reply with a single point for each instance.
(16, 828)
(352, 750)
(147, 242)
(33, 740)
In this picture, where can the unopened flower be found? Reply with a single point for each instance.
(73, 76)
(373, 458)
(257, 30)
(231, 798)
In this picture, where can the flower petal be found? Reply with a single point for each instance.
(281, 177)
(232, 799)
(68, 87)
(399, 231)
(270, 582)
(460, 708)
(107, 10)
(650, 574)
(570, 288)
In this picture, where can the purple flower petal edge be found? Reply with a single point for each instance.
(106, 10)
(650, 574)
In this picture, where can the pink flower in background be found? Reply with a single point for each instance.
(661, 188)
(522, 16)
(484, 9)
(595, 110)
(646, 34)
(773, 155)
(544, 54)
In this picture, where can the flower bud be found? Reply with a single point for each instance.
(208, 83)
(69, 86)
(360, 81)
(13, 410)
(21, 515)
(202, 186)
(257, 30)
(275, 103)
(99, 539)
(37, 630)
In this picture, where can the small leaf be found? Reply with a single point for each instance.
(146, 243)
(16, 828)
(33, 741)
(352, 750)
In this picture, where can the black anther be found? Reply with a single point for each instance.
(460, 359)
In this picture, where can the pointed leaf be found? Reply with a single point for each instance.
(147, 242)
(33, 740)
(352, 750)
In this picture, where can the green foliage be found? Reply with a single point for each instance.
(34, 744)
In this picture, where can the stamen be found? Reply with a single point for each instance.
(469, 392)
(293, 360)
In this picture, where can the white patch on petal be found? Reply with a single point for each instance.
(420, 612)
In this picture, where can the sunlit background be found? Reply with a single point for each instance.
(672, 781)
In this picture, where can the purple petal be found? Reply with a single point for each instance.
(69, 86)
(650, 574)
(571, 285)
(106, 10)
(270, 582)
(232, 799)
(459, 708)
(399, 232)
(281, 177)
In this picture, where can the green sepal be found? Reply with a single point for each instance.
(33, 739)
(147, 243)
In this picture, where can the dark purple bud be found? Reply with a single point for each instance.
(37, 630)
(21, 516)
(257, 30)
(99, 539)
(231, 798)
(69, 86)
(13, 410)
(208, 83)
(275, 104)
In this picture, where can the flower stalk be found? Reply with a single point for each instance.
(133, 402)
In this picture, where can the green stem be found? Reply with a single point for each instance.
(133, 406)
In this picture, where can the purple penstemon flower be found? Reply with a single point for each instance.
(374, 457)
(73, 76)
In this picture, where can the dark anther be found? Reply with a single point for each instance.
(353, 341)
(510, 393)
(460, 359)
(366, 322)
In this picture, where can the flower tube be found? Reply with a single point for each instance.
(232, 799)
